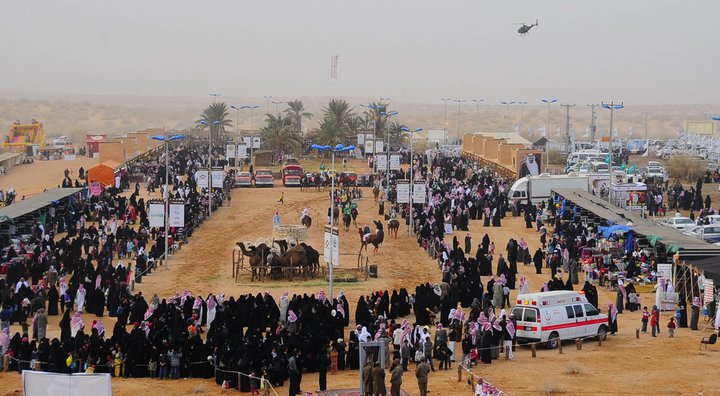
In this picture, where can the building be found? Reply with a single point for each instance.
(509, 154)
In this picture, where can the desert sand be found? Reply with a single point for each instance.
(622, 365)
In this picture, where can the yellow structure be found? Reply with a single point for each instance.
(508, 154)
(23, 135)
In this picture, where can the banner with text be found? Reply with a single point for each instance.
(156, 214)
(177, 215)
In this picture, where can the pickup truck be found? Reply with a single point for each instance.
(264, 178)
(243, 179)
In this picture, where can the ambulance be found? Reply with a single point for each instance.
(551, 317)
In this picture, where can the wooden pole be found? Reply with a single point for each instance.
(637, 333)
(533, 350)
(560, 346)
(599, 341)
(578, 343)
(459, 372)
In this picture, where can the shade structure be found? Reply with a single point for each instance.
(103, 173)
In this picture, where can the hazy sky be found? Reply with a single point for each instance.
(639, 51)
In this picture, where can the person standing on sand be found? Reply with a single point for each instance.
(396, 373)
(282, 198)
(276, 219)
(421, 373)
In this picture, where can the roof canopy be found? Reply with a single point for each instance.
(32, 204)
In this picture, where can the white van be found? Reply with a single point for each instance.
(551, 317)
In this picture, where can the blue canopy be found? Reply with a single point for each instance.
(607, 231)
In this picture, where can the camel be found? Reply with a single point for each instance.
(375, 239)
(294, 258)
(376, 192)
(257, 255)
(313, 258)
(306, 221)
(393, 226)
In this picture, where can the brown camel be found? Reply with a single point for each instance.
(306, 221)
(258, 255)
(295, 258)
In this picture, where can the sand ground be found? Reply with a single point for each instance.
(622, 365)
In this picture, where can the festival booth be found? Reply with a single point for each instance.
(104, 173)
(697, 279)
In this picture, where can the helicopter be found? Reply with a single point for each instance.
(525, 28)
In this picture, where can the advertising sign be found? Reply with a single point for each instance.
(664, 271)
(394, 161)
(381, 162)
(242, 151)
(95, 189)
(230, 151)
(177, 215)
(419, 193)
(217, 178)
(334, 239)
(201, 178)
(403, 191)
(156, 214)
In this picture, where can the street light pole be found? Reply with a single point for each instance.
(507, 111)
(548, 101)
(458, 101)
(412, 179)
(477, 112)
(387, 133)
(338, 148)
(237, 131)
(445, 134)
(166, 195)
(522, 116)
(276, 106)
(612, 106)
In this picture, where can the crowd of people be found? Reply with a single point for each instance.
(106, 239)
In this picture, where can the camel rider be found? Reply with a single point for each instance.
(393, 212)
(366, 233)
(305, 213)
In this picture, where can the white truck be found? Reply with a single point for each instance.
(537, 188)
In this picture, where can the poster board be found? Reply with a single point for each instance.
(381, 160)
(419, 193)
(395, 162)
(201, 178)
(334, 239)
(403, 191)
(156, 214)
(242, 151)
(177, 214)
(230, 151)
(95, 189)
(217, 178)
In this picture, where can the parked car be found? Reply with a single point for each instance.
(264, 178)
(243, 179)
(679, 223)
(708, 233)
(349, 178)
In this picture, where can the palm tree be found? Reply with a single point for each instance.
(378, 119)
(395, 130)
(339, 111)
(332, 133)
(279, 135)
(296, 110)
(354, 125)
(217, 111)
